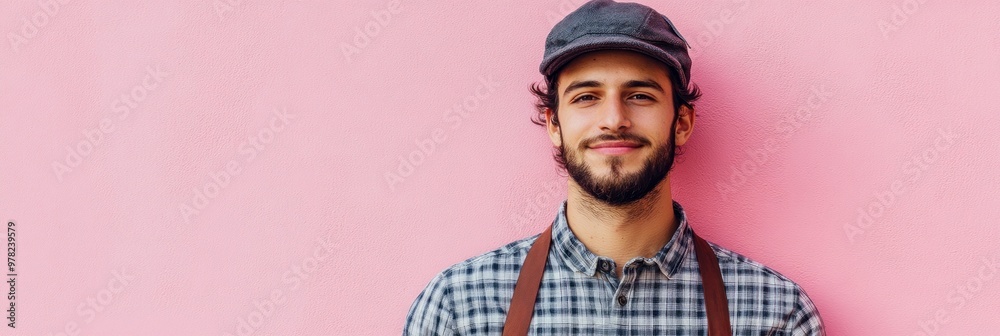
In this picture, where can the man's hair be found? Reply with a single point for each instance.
(548, 98)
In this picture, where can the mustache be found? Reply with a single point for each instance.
(615, 137)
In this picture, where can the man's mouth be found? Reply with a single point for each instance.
(615, 147)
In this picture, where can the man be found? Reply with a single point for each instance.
(623, 258)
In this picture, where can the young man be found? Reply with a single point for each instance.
(620, 257)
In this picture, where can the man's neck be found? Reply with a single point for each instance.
(622, 232)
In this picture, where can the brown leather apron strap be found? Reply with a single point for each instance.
(716, 304)
(522, 304)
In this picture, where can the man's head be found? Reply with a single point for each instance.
(616, 111)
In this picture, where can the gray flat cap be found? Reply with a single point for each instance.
(606, 24)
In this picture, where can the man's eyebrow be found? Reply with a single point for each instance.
(646, 83)
(581, 84)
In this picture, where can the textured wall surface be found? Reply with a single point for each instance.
(305, 167)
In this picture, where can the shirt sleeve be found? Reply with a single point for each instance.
(432, 313)
(806, 320)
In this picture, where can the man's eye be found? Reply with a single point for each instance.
(583, 97)
(642, 96)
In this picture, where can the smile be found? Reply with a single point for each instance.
(615, 147)
(616, 150)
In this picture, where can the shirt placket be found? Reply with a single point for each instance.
(621, 305)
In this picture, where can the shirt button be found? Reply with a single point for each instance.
(605, 266)
(622, 300)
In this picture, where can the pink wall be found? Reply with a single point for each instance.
(224, 161)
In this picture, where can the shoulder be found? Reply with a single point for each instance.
(502, 262)
(436, 307)
(751, 278)
(744, 268)
(497, 263)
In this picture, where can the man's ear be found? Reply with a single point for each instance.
(552, 128)
(685, 125)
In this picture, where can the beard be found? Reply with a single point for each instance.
(619, 188)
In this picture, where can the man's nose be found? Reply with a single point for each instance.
(615, 116)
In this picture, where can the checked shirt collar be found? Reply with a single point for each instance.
(580, 259)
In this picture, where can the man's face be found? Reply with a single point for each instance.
(616, 129)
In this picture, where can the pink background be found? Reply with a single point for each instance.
(189, 207)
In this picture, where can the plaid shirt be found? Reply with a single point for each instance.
(580, 293)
